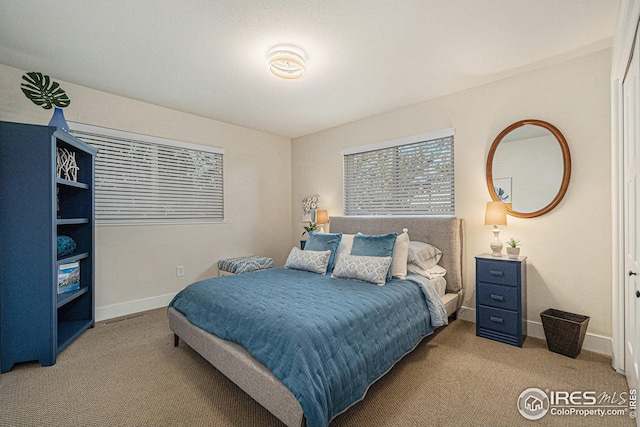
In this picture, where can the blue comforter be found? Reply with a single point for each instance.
(326, 339)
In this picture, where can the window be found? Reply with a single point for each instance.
(141, 179)
(410, 176)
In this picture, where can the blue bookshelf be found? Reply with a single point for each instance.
(37, 323)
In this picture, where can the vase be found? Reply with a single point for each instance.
(513, 253)
(58, 120)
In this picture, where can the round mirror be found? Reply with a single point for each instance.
(528, 168)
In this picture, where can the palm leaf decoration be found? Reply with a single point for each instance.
(43, 91)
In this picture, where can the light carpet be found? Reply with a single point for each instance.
(128, 373)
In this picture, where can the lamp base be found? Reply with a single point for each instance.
(496, 250)
(496, 245)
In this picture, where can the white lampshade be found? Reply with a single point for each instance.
(322, 217)
(496, 214)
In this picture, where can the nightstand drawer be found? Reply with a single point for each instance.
(501, 272)
(496, 319)
(499, 296)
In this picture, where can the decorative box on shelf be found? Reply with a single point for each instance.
(69, 277)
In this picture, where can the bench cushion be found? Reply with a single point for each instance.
(245, 264)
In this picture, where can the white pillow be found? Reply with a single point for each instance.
(313, 261)
(429, 273)
(423, 255)
(345, 246)
(400, 256)
(372, 269)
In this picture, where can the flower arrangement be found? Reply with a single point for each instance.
(43, 91)
(312, 226)
(46, 93)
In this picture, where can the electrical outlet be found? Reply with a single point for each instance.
(180, 271)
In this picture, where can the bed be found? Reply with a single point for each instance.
(307, 367)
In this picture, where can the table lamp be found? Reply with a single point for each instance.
(496, 215)
(322, 218)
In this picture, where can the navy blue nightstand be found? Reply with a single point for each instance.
(501, 299)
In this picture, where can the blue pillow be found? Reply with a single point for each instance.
(380, 245)
(323, 242)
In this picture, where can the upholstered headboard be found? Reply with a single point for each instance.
(444, 233)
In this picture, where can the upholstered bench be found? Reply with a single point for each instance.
(245, 264)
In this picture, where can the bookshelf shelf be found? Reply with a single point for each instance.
(62, 181)
(71, 258)
(69, 331)
(70, 296)
(72, 221)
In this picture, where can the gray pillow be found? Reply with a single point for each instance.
(372, 269)
(313, 261)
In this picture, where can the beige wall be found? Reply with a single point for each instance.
(569, 249)
(136, 265)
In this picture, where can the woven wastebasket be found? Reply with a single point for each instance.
(564, 331)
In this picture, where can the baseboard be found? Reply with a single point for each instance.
(592, 342)
(130, 307)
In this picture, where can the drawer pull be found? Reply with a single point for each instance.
(496, 273)
(497, 297)
(496, 319)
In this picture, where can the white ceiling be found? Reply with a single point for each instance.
(364, 57)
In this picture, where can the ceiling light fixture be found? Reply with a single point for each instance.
(285, 63)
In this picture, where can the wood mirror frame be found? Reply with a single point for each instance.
(566, 163)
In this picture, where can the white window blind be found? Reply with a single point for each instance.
(141, 179)
(412, 176)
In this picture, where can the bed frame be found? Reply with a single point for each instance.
(256, 379)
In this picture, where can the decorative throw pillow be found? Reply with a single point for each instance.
(400, 256)
(423, 255)
(313, 261)
(380, 245)
(323, 242)
(372, 269)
